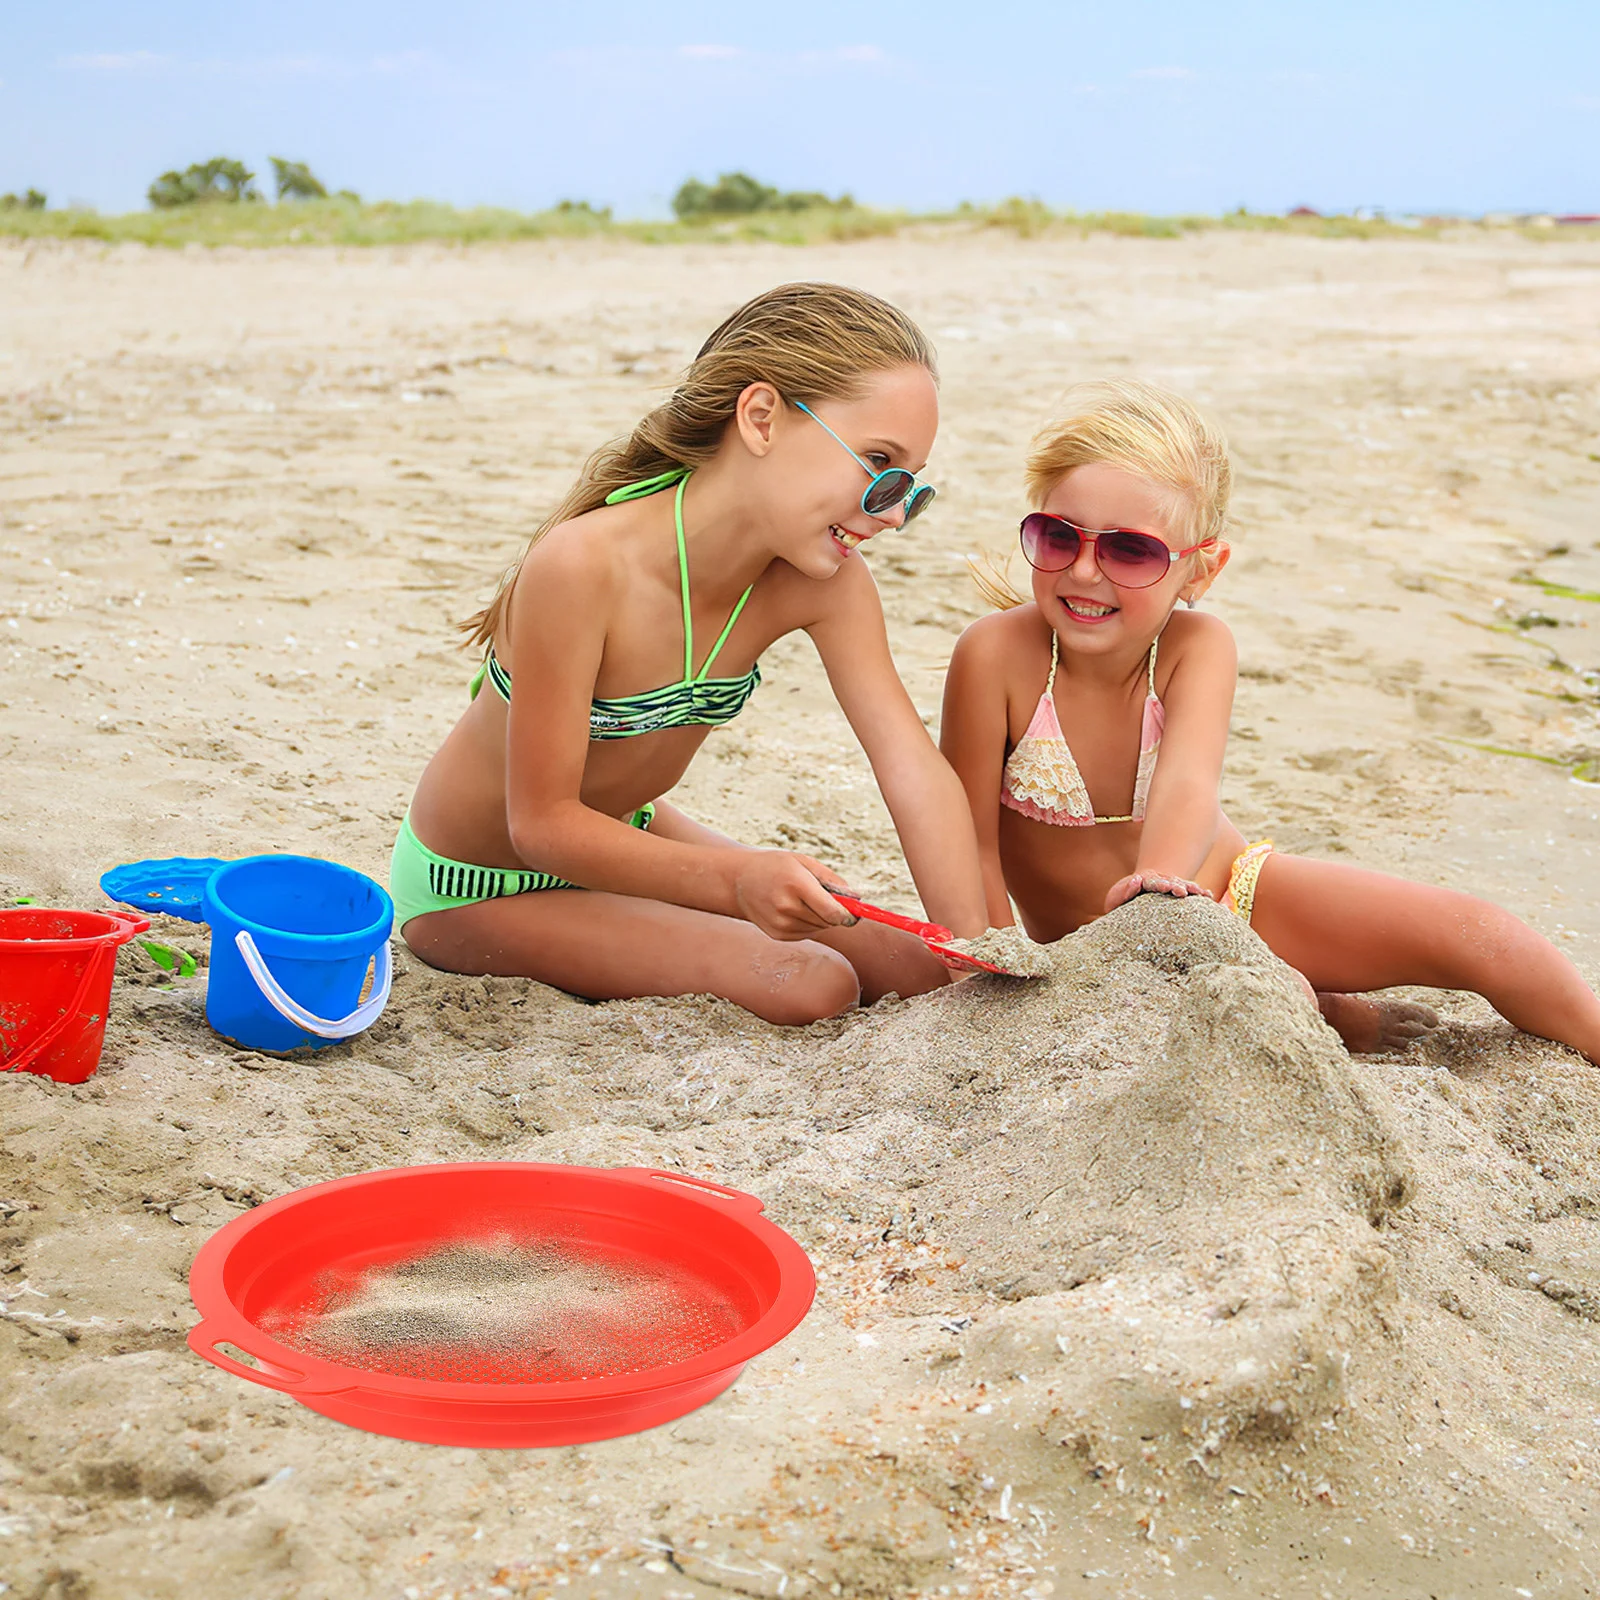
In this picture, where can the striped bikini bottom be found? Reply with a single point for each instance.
(421, 880)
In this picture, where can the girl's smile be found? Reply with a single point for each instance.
(1082, 609)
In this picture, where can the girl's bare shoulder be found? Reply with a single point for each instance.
(1186, 629)
(573, 579)
(1001, 640)
(1199, 639)
(588, 562)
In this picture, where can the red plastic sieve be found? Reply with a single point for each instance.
(272, 1269)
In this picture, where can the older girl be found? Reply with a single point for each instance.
(538, 844)
(1088, 726)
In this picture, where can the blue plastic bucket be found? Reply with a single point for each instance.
(291, 941)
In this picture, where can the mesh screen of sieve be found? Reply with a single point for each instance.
(504, 1310)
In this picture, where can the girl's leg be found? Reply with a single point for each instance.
(615, 947)
(1350, 931)
(885, 962)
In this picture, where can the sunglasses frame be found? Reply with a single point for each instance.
(1092, 536)
(918, 496)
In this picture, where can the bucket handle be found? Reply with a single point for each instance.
(91, 970)
(291, 1010)
(204, 1342)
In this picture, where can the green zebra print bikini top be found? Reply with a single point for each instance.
(694, 700)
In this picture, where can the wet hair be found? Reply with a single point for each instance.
(810, 341)
(1146, 431)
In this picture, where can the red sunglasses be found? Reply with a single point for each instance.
(1128, 559)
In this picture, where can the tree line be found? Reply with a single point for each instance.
(734, 194)
(737, 194)
(232, 182)
(225, 180)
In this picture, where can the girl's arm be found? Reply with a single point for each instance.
(923, 795)
(671, 823)
(972, 735)
(1181, 819)
(558, 622)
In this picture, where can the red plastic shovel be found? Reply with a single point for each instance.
(936, 937)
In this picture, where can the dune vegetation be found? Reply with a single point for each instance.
(216, 202)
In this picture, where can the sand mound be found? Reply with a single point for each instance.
(1194, 1247)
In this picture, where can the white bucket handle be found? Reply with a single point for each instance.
(291, 1010)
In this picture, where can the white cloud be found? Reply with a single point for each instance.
(710, 52)
(1162, 72)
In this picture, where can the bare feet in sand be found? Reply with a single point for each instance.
(1372, 1027)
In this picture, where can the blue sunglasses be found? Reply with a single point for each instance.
(888, 489)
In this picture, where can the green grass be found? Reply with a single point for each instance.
(1557, 591)
(348, 222)
(340, 221)
(1584, 769)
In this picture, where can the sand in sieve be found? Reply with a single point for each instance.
(506, 1311)
(1010, 948)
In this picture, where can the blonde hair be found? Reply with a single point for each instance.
(810, 341)
(1147, 431)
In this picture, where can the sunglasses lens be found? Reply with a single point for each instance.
(1050, 544)
(920, 501)
(1135, 560)
(886, 491)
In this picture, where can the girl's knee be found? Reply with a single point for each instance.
(806, 983)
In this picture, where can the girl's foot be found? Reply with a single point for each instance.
(1375, 1027)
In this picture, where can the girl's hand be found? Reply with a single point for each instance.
(1137, 883)
(784, 895)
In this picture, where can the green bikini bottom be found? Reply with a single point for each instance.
(421, 881)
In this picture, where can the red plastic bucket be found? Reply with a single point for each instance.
(266, 1268)
(55, 987)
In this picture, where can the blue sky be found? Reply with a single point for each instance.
(1145, 105)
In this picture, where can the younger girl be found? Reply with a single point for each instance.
(538, 844)
(1088, 728)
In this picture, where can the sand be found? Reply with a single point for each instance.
(507, 1310)
(1131, 1281)
(1009, 948)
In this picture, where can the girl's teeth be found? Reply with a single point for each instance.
(1088, 611)
(848, 540)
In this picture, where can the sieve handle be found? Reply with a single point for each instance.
(203, 1341)
(721, 1190)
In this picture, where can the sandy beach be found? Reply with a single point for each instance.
(1132, 1283)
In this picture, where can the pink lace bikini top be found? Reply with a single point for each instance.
(1041, 778)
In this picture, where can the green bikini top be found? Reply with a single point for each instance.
(694, 700)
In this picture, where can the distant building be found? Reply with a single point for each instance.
(1305, 211)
